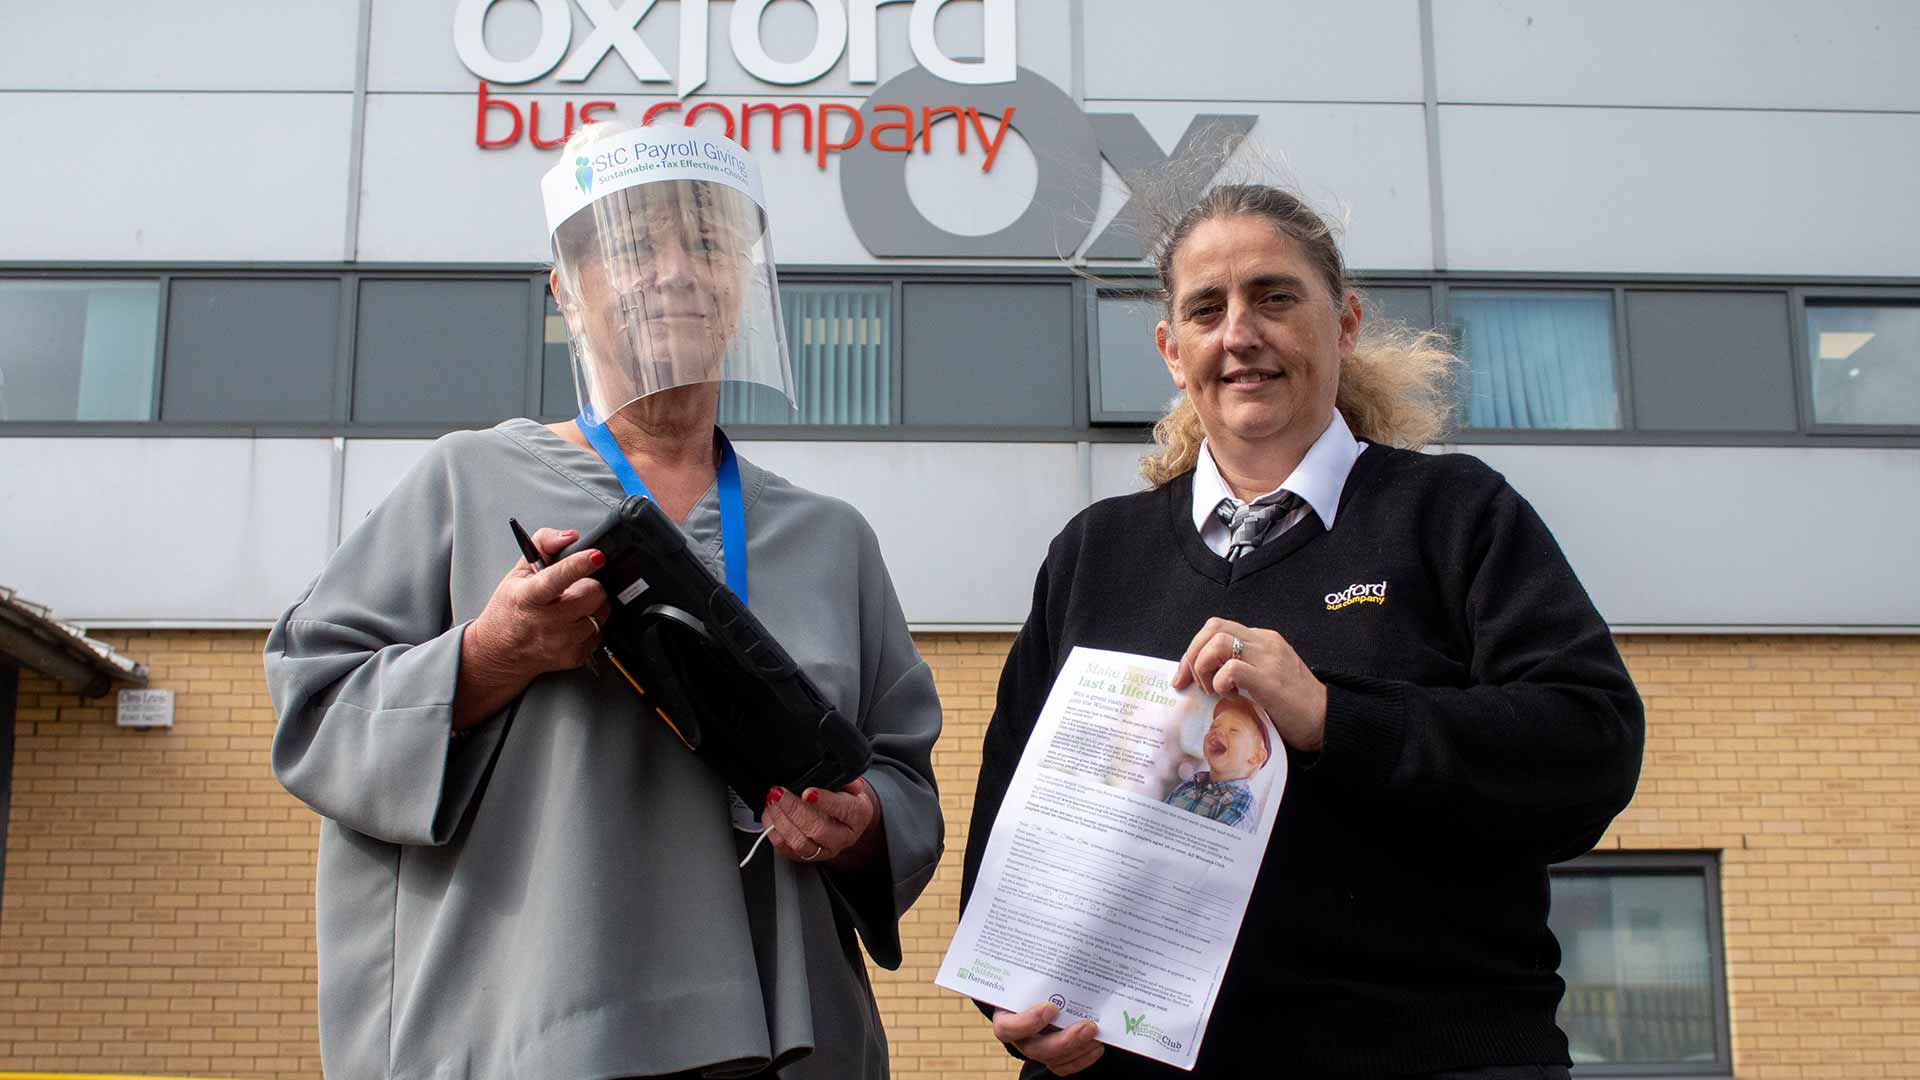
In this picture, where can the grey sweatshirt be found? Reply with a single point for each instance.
(556, 895)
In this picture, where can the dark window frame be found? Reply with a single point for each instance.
(1838, 296)
(1147, 292)
(1085, 428)
(1705, 864)
(343, 350)
(162, 281)
(529, 357)
(1622, 367)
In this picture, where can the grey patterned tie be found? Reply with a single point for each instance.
(1247, 524)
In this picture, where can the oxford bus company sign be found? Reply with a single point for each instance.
(985, 97)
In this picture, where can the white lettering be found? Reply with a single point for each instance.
(470, 42)
(693, 47)
(863, 50)
(997, 65)
(829, 41)
(841, 26)
(614, 29)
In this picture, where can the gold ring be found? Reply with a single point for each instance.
(1239, 647)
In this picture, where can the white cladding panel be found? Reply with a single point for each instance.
(1116, 469)
(373, 466)
(1695, 536)
(1680, 191)
(1841, 54)
(963, 526)
(163, 529)
(1365, 165)
(412, 47)
(232, 529)
(204, 45)
(491, 211)
(1254, 50)
(174, 177)
(1700, 536)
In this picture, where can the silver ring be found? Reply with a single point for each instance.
(819, 849)
(596, 624)
(1239, 647)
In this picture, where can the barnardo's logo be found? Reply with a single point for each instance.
(1357, 593)
(583, 175)
(1137, 1027)
(986, 973)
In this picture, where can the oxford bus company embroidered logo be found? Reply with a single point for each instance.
(1357, 593)
(583, 175)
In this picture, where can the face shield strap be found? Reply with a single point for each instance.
(733, 509)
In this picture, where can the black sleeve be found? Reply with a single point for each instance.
(1024, 683)
(1537, 754)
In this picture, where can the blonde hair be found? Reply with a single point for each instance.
(1397, 386)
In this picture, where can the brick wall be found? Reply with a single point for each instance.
(157, 913)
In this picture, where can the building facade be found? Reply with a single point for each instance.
(253, 258)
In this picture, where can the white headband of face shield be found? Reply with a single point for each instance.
(646, 155)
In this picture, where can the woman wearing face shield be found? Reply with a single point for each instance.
(522, 873)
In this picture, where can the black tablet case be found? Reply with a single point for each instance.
(703, 664)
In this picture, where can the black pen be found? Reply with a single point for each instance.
(538, 562)
(532, 554)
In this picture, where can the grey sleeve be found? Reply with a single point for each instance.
(901, 715)
(362, 669)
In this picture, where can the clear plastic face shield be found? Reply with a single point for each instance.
(664, 272)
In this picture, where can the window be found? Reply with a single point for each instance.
(251, 351)
(559, 398)
(441, 351)
(1408, 305)
(1536, 358)
(1640, 952)
(1130, 380)
(77, 350)
(996, 353)
(840, 342)
(1710, 360)
(1866, 363)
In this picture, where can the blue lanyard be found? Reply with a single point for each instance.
(733, 510)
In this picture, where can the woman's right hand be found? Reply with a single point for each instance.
(536, 621)
(1063, 1051)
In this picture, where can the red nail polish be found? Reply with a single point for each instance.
(811, 796)
(598, 560)
(773, 795)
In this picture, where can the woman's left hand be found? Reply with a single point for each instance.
(841, 828)
(1267, 670)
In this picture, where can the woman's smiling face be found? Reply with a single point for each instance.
(1256, 338)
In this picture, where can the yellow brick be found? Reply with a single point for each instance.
(157, 907)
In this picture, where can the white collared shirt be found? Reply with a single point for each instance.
(1318, 481)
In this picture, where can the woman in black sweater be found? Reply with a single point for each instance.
(1454, 710)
